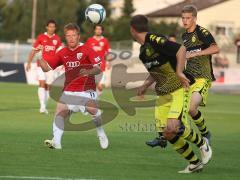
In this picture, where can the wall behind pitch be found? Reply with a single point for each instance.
(12, 72)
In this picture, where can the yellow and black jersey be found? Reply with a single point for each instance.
(198, 40)
(159, 57)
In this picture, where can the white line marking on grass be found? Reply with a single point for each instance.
(221, 112)
(41, 178)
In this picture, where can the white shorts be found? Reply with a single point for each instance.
(76, 101)
(48, 77)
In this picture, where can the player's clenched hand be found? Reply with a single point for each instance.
(191, 55)
(84, 72)
(141, 90)
(28, 67)
(39, 48)
(184, 80)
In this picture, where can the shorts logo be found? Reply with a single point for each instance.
(73, 64)
(54, 42)
(79, 55)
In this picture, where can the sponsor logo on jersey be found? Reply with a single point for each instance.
(73, 64)
(97, 48)
(195, 50)
(49, 48)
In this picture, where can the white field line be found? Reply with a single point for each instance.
(41, 178)
(220, 112)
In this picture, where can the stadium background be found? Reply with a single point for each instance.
(22, 129)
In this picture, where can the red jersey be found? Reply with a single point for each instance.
(101, 47)
(49, 45)
(82, 57)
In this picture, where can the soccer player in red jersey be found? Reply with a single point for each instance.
(100, 45)
(48, 42)
(81, 65)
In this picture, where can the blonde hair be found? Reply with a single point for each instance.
(190, 9)
(71, 26)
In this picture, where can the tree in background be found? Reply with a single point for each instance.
(120, 26)
(2, 4)
(61, 11)
(128, 8)
(16, 19)
(12, 15)
(166, 29)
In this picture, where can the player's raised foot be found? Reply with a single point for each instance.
(208, 136)
(43, 111)
(158, 141)
(50, 143)
(206, 151)
(191, 168)
(103, 140)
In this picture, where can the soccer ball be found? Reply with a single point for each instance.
(95, 13)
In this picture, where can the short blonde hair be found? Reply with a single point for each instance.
(190, 9)
(71, 26)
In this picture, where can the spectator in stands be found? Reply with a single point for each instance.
(237, 43)
(221, 60)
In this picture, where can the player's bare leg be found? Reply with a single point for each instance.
(101, 84)
(62, 113)
(100, 88)
(91, 108)
(196, 115)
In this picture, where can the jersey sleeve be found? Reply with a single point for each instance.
(37, 43)
(93, 57)
(107, 46)
(59, 44)
(206, 37)
(88, 42)
(163, 45)
(55, 61)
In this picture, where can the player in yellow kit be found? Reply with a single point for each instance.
(165, 62)
(200, 46)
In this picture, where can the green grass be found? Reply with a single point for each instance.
(23, 129)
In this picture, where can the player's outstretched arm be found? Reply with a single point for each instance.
(30, 59)
(90, 72)
(148, 82)
(44, 65)
(213, 49)
(181, 60)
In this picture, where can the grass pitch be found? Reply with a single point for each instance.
(23, 155)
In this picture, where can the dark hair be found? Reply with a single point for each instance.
(98, 25)
(71, 26)
(51, 21)
(139, 23)
(190, 9)
(172, 35)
